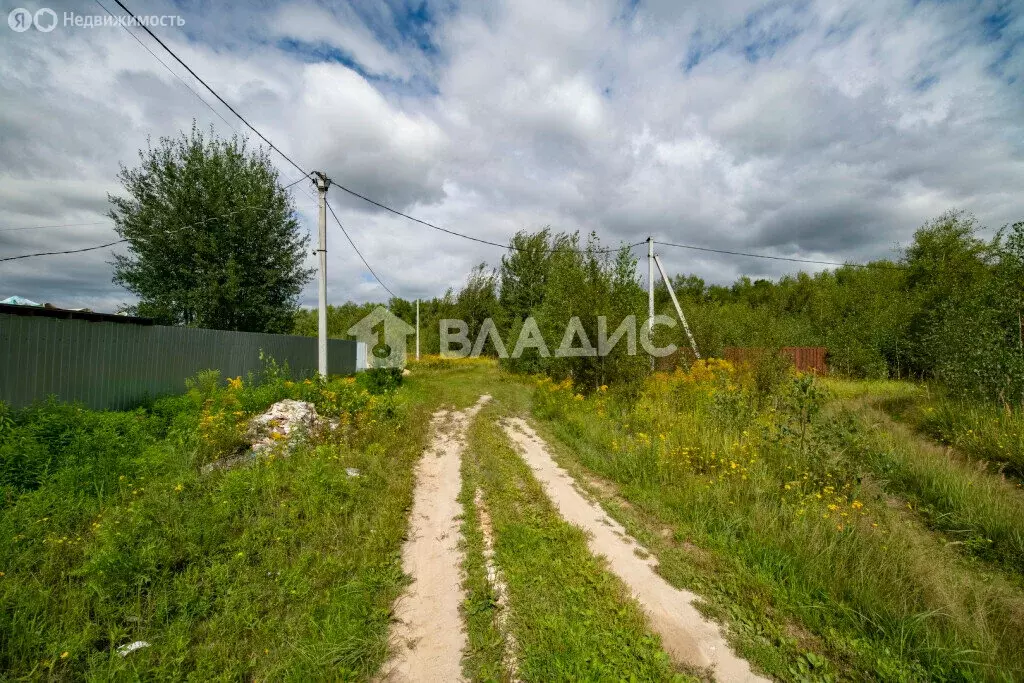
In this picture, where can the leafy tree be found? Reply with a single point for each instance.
(524, 274)
(213, 239)
(945, 264)
(478, 300)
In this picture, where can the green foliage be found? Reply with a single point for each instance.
(948, 307)
(339, 320)
(560, 279)
(212, 236)
(986, 432)
(380, 380)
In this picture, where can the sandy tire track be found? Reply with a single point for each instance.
(428, 637)
(687, 636)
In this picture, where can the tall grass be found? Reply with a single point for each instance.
(286, 568)
(791, 532)
(984, 431)
(983, 514)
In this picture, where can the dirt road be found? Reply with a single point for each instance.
(429, 636)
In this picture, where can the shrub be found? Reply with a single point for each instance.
(381, 380)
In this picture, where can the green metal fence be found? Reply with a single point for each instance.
(118, 365)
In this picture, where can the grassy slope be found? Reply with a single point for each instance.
(810, 591)
(983, 432)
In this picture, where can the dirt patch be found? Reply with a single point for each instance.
(687, 636)
(428, 637)
(609, 491)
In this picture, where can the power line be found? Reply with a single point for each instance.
(358, 252)
(452, 232)
(65, 225)
(165, 232)
(54, 253)
(381, 205)
(77, 225)
(764, 256)
(212, 91)
(138, 40)
(296, 182)
(186, 84)
(276, 149)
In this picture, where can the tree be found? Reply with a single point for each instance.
(524, 274)
(212, 236)
(478, 299)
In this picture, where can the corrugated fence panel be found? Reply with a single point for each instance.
(114, 366)
(805, 358)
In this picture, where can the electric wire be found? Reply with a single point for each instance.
(171, 52)
(165, 232)
(764, 256)
(453, 232)
(385, 207)
(358, 253)
(180, 79)
(55, 253)
(276, 149)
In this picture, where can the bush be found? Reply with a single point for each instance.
(381, 380)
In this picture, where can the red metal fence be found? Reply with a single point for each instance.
(805, 358)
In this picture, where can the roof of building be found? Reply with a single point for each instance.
(49, 311)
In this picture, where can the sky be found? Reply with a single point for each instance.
(817, 130)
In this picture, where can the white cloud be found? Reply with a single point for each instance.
(813, 129)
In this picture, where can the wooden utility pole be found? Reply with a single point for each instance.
(417, 329)
(322, 183)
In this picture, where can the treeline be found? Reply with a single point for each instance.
(948, 307)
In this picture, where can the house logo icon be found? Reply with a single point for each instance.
(384, 335)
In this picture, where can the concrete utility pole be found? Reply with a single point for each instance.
(417, 329)
(650, 291)
(679, 309)
(322, 183)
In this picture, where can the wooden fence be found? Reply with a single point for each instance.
(117, 362)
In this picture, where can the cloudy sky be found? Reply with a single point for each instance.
(807, 129)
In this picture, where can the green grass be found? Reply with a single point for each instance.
(985, 432)
(772, 517)
(571, 618)
(888, 424)
(982, 514)
(788, 512)
(283, 569)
